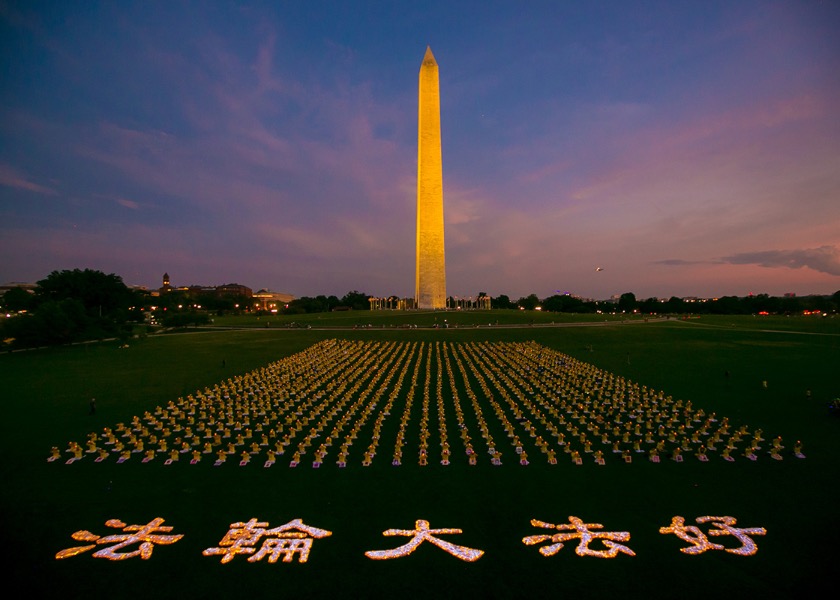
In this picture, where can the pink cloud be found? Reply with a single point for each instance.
(238, 145)
(128, 203)
(11, 177)
(825, 259)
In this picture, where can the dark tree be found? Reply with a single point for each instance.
(71, 306)
(650, 306)
(627, 302)
(675, 305)
(100, 294)
(356, 300)
(17, 299)
(566, 303)
(726, 305)
(55, 322)
(529, 303)
(502, 301)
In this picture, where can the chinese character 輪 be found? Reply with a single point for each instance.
(286, 540)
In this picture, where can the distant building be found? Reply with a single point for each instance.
(228, 289)
(268, 300)
(234, 289)
(29, 287)
(199, 289)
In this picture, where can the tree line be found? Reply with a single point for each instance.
(726, 305)
(354, 300)
(79, 305)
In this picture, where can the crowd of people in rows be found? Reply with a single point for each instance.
(431, 402)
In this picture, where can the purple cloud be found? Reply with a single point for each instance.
(11, 177)
(825, 259)
(677, 262)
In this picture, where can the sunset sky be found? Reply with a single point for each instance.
(686, 148)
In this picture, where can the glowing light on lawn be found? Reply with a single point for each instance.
(335, 403)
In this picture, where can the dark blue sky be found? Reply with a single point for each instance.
(687, 148)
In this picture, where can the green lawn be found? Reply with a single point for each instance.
(47, 394)
(422, 319)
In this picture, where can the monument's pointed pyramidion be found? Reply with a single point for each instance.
(429, 57)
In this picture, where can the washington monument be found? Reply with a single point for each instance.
(430, 289)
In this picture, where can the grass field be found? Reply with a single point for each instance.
(47, 394)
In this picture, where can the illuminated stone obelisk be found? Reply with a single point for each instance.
(430, 288)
